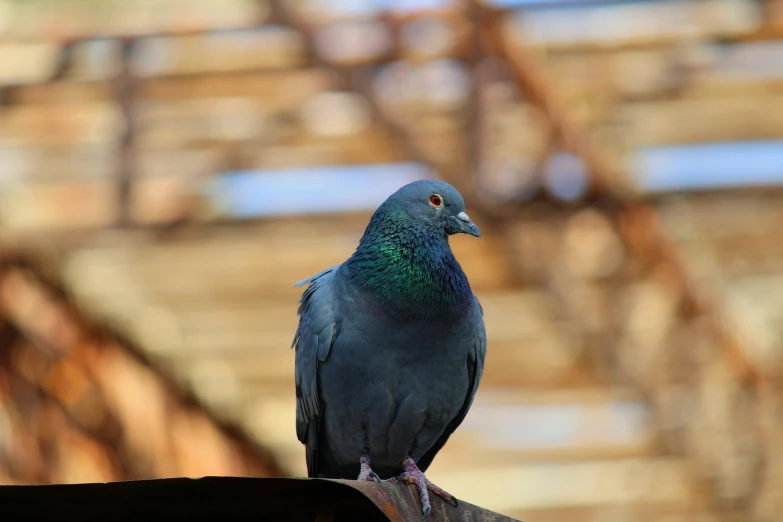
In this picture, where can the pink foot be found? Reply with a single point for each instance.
(366, 472)
(413, 475)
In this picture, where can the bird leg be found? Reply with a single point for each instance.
(413, 475)
(366, 472)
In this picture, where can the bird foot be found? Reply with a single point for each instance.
(413, 475)
(366, 472)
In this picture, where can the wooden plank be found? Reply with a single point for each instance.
(505, 489)
(637, 512)
(271, 47)
(67, 20)
(193, 163)
(463, 452)
(348, 150)
(281, 90)
(94, 123)
(63, 92)
(37, 164)
(713, 216)
(27, 63)
(741, 64)
(616, 73)
(174, 124)
(53, 206)
(622, 26)
(705, 119)
(555, 423)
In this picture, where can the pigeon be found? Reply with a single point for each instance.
(390, 346)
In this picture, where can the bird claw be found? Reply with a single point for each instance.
(370, 477)
(413, 475)
(442, 493)
(366, 472)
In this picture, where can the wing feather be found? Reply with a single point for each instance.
(313, 341)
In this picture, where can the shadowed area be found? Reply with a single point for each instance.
(294, 500)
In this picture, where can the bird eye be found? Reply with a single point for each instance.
(436, 200)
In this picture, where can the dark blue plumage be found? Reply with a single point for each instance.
(390, 345)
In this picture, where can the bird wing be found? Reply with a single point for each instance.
(475, 368)
(313, 339)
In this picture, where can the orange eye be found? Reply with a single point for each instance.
(436, 200)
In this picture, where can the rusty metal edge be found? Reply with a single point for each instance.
(400, 503)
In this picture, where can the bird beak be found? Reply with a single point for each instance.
(466, 226)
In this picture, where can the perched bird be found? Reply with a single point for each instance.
(390, 345)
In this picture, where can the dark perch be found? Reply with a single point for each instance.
(230, 498)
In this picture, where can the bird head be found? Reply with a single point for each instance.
(436, 204)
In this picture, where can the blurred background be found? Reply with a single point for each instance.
(169, 168)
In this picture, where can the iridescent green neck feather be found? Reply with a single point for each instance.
(408, 267)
